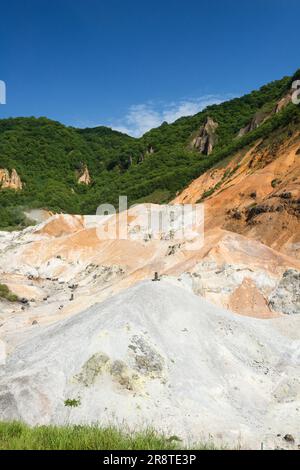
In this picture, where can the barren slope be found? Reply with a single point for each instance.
(256, 193)
(158, 355)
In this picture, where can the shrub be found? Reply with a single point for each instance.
(72, 402)
(6, 294)
(275, 182)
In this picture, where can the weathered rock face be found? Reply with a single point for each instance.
(206, 138)
(255, 122)
(257, 194)
(283, 103)
(66, 264)
(85, 176)
(260, 117)
(10, 181)
(235, 286)
(150, 150)
(286, 297)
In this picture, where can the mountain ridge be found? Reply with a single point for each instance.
(48, 156)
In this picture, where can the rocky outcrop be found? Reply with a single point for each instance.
(85, 176)
(10, 180)
(206, 138)
(242, 289)
(286, 297)
(282, 103)
(260, 117)
(150, 150)
(255, 122)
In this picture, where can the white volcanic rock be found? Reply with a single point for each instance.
(156, 354)
(66, 264)
(206, 137)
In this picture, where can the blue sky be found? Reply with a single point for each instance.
(133, 64)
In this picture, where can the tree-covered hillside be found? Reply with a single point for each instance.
(49, 157)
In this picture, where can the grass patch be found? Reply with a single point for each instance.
(72, 402)
(6, 294)
(275, 182)
(159, 196)
(19, 436)
(210, 191)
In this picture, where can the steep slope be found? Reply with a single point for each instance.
(256, 192)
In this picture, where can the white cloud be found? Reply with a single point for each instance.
(140, 118)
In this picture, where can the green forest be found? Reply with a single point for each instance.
(49, 157)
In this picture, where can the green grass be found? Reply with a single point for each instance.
(72, 402)
(6, 294)
(275, 182)
(19, 436)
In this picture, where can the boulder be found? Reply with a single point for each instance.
(85, 176)
(286, 297)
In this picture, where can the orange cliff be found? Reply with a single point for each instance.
(256, 193)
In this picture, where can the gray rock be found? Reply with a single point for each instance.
(286, 297)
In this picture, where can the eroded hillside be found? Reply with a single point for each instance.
(74, 170)
(255, 193)
(163, 325)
